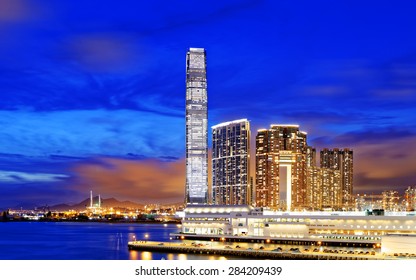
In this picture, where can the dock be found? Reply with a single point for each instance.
(248, 253)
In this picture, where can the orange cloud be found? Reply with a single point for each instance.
(104, 51)
(387, 165)
(148, 181)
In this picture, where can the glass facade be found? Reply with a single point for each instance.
(196, 189)
(230, 163)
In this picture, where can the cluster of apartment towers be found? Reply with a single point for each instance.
(287, 177)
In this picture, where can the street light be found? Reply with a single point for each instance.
(134, 238)
(146, 236)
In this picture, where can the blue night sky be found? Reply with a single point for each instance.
(92, 93)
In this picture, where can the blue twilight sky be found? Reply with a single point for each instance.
(92, 92)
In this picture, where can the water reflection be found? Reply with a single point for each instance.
(133, 255)
(182, 257)
(146, 256)
(170, 256)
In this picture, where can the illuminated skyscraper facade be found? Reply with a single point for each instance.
(323, 189)
(331, 189)
(267, 169)
(196, 189)
(323, 185)
(281, 167)
(230, 163)
(341, 160)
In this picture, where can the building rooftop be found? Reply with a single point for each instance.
(196, 49)
(229, 123)
(216, 208)
(285, 125)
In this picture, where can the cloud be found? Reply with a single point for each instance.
(375, 135)
(91, 132)
(104, 52)
(65, 179)
(12, 11)
(141, 181)
(386, 164)
(33, 194)
(367, 184)
(22, 177)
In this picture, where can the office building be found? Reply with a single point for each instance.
(231, 163)
(196, 189)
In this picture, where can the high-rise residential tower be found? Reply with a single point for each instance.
(281, 167)
(196, 189)
(341, 160)
(230, 163)
(267, 169)
(323, 188)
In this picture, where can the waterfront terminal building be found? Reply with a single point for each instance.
(248, 224)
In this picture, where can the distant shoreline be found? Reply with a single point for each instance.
(88, 221)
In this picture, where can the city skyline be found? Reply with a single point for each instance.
(93, 99)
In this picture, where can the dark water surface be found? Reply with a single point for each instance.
(82, 241)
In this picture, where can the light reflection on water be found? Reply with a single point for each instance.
(146, 256)
(78, 241)
(98, 241)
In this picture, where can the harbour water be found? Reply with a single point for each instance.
(83, 241)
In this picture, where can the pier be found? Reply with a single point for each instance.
(248, 253)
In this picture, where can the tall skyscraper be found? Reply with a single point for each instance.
(230, 163)
(341, 160)
(281, 161)
(196, 189)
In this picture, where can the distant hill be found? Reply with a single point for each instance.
(105, 202)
